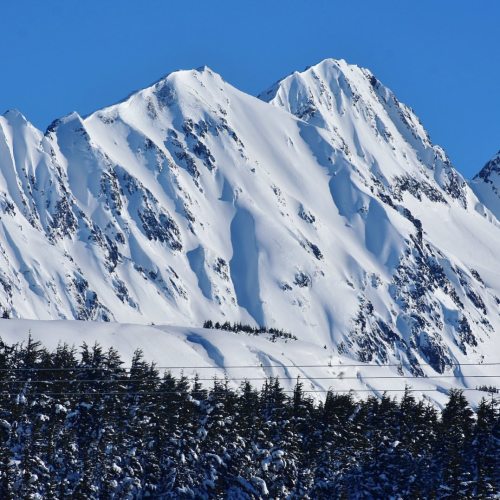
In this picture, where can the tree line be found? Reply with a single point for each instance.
(76, 423)
(274, 333)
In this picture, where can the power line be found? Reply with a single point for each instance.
(208, 367)
(154, 393)
(237, 379)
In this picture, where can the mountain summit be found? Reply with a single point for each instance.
(321, 207)
(367, 120)
(486, 185)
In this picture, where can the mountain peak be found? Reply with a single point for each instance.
(366, 120)
(491, 167)
(186, 74)
(15, 116)
(330, 62)
(486, 185)
(13, 112)
(204, 69)
(325, 65)
(72, 120)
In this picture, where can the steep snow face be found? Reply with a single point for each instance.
(327, 212)
(39, 277)
(486, 185)
(394, 166)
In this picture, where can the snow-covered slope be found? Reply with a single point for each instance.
(236, 357)
(325, 211)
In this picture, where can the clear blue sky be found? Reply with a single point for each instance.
(441, 57)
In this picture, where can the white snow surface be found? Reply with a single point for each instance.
(218, 354)
(322, 208)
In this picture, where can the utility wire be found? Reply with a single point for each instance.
(205, 367)
(236, 379)
(154, 393)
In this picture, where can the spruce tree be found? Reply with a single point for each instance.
(454, 447)
(486, 449)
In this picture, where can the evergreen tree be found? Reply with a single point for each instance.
(335, 452)
(486, 449)
(454, 446)
(278, 450)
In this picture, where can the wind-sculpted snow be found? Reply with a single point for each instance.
(244, 265)
(196, 259)
(322, 208)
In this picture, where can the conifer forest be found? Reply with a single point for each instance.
(78, 423)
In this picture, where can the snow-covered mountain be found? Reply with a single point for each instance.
(321, 207)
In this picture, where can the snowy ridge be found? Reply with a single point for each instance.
(322, 208)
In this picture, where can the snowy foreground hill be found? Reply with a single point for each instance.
(321, 207)
(211, 354)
